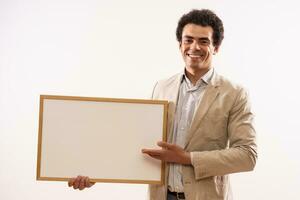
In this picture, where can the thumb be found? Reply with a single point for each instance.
(165, 145)
(71, 182)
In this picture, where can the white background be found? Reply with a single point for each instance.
(119, 49)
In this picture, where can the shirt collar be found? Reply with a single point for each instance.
(205, 78)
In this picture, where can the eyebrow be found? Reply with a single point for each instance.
(201, 38)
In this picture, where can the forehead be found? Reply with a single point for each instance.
(197, 31)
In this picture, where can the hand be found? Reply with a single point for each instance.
(80, 182)
(169, 153)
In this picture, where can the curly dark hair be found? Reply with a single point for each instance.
(203, 17)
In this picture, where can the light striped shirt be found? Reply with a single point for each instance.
(189, 98)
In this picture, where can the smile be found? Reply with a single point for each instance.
(194, 55)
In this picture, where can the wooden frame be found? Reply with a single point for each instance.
(101, 138)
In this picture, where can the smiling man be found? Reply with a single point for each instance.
(210, 126)
(210, 123)
(197, 50)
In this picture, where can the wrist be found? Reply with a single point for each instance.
(187, 158)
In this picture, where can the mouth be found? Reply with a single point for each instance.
(194, 55)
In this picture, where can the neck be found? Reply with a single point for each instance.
(194, 75)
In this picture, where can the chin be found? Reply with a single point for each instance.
(198, 67)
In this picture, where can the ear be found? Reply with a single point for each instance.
(216, 50)
(179, 44)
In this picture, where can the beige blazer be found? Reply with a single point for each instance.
(221, 135)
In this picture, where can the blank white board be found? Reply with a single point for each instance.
(101, 138)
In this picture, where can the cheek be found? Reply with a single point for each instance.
(183, 49)
(206, 52)
(209, 52)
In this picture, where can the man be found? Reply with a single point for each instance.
(210, 124)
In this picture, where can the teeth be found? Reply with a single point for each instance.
(194, 56)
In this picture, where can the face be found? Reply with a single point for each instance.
(197, 47)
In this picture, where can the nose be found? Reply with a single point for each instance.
(195, 45)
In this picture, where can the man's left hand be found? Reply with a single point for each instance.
(169, 153)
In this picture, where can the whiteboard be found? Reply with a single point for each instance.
(101, 138)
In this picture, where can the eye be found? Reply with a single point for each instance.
(204, 42)
(187, 41)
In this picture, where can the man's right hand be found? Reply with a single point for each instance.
(80, 182)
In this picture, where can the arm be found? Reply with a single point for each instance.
(241, 154)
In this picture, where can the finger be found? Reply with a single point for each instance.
(165, 145)
(88, 183)
(156, 152)
(71, 182)
(82, 183)
(156, 156)
(159, 158)
(77, 182)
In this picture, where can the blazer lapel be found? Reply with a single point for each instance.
(211, 93)
(172, 98)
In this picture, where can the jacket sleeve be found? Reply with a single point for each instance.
(242, 152)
